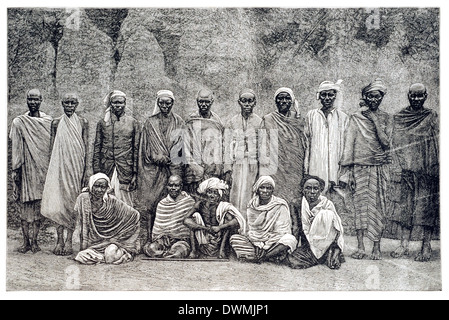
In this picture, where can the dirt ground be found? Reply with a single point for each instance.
(45, 272)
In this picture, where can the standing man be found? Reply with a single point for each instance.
(66, 173)
(365, 155)
(116, 147)
(30, 139)
(241, 139)
(324, 131)
(159, 155)
(203, 144)
(415, 145)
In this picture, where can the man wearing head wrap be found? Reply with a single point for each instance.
(66, 175)
(318, 228)
(364, 166)
(30, 145)
(241, 150)
(416, 173)
(269, 235)
(282, 145)
(160, 154)
(203, 144)
(324, 131)
(109, 228)
(212, 221)
(116, 146)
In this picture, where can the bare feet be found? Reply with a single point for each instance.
(59, 249)
(34, 247)
(400, 252)
(24, 248)
(376, 254)
(359, 254)
(425, 255)
(333, 259)
(193, 255)
(222, 254)
(68, 251)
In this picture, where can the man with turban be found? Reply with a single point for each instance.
(160, 154)
(364, 166)
(416, 154)
(109, 228)
(116, 147)
(241, 148)
(318, 228)
(203, 144)
(324, 131)
(66, 172)
(212, 221)
(269, 236)
(282, 145)
(30, 145)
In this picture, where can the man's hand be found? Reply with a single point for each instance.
(351, 182)
(133, 183)
(215, 229)
(370, 116)
(260, 254)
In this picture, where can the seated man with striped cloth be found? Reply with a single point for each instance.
(170, 237)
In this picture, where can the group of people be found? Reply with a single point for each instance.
(260, 188)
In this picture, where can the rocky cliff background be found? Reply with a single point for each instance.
(142, 50)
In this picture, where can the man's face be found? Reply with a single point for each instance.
(213, 195)
(99, 188)
(373, 99)
(283, 102)
(69, 105)
(265, 191)
(247, 102)
(174, 187)
(165, 104)
(327, 98)
(34, 102)
(417, 98)
(312, 190)
(118, 105)
(204, 104)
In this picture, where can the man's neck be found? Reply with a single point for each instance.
(206, 115)
(326, 111)
(416, 110)
(246, 115)
(35, 114)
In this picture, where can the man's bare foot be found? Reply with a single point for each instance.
(359, 254)
(425, 255)
(333, 260)
(68, 251)
(222, 255)
(193, 255)
(376, 254)
(24, 248)
(400, 252)
(35, 247)
(59, 249)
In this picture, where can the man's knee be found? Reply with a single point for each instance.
(112, 253)
(153, 250)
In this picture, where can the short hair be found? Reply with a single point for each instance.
(310, 177)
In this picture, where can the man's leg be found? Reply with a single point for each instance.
(376, 253)
(224, 240)
(58, 250)
(194, 245)
(26, 237)
(426, 249)
(68, 247)
(333, 258)
(403, 249)
(34, 246)
(360, 253)
(277, 251)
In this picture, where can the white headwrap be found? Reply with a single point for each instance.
(329, 85)
(290, 92)
(162, 94)
(212, 183)
(107, 102)
(97, 177)
(261, 181)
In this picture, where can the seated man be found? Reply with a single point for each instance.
(211, 220)
(109, 228)
(270, 228)
(170, 237)
(317, 225)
